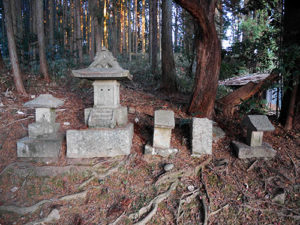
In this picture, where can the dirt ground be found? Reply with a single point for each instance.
(217, 189)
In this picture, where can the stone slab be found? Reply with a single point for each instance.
(45, 115)
(162, 137)
(258, 123)
(44, 101)
(201, 136)
(149, 150)
(102, 74)
(244, 151)
(41, 129)
(49, 147)
(100, 142)
(164, 119)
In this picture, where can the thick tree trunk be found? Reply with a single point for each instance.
(51, 23)
(92, 24)
(41, 39)
(2, 66)
(114, 31)
(154, 37)
(291, 38)
(208, 57)
(227, 104)
(135, 27)
(78, 31)
(129, 30)
(143, 27)
(168, 64)
(12, 49)
(99, 26)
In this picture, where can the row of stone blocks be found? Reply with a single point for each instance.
(44, 139)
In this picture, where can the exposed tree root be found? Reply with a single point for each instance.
(173, 176)
(52, 217)
(23, 210)
(218, 210)
(151, 208)
(95, 175)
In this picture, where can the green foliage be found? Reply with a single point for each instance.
(253, 105)
(223, 91)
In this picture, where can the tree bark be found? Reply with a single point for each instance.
(92, 24)
(291, 39)
(2, 66)
(51, 23)
(135, 27)
(143, 27)
(12, 49)
(227, 104)
(208, 57)
(168, 64)
(154, 37)
(41, 39)
(78, 31)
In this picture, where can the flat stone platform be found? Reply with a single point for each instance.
(102, 74)
(48, 147)
(244, 151)
(99, 142)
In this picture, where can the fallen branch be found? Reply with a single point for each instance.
(252, 165)
(151, 208)
(118, 219)
(52, 217)
(218, 210)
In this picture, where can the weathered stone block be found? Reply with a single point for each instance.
(101, 117)
(255, 138)
(45, 115)
(162, 137)
(41, 129)
(244, 151)
(87, 112)
(100, 142)
(40, 147)
(106, 93)
(201, 136)
(121, 116)
(164, 119)
(44, 101)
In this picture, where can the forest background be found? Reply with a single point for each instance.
(175, 47)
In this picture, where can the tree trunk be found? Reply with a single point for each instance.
(12, 49)
(227, 104)
(2, 66)
(154, 37)
(168, 64)
(51, 23)
(114, 31)
(291, 39)
(135, 27)
(208, 57)
(41, 39)
(129, 30)
(99, 26)
(92, 25)
(78, 31)
(143, 27)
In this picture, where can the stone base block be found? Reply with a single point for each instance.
(36, 130)
(244, 151)
(106, 117)
(202, 136)
(149, 150)
(40, 147)
(162, 137)
(99, 142)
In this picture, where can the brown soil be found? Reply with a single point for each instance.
(241, 189)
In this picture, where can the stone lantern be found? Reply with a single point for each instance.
(109, 132)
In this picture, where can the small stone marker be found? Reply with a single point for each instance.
(164, 122)
(256, 125)
(43, 138)
(201, 136)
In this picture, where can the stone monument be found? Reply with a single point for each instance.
(109, 132)
(43, 139)
(201, 136)
(164, 122)
(255, 147)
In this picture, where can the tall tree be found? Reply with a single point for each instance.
(143, 27)
(41, 38)
(2, 66)
(168, 63)
(78, 30)
(154, 36)
(51, 23)
(12, 49)
(291, 62)
(208, 56)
